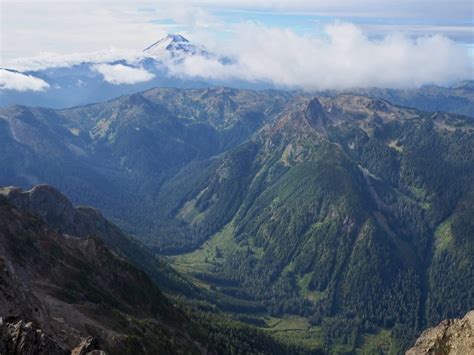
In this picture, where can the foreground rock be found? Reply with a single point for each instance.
(24, 338)
(452, 336)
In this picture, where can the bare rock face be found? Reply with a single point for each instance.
(24, 338)
(87, 347)
(452, 336)
(316, 115)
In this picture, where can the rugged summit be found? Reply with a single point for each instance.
(450, 337)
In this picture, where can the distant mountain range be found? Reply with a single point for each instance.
(347, 215)
(158, 66)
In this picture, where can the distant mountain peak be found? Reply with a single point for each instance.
(166, 41)
(174, 46)
(176, 37)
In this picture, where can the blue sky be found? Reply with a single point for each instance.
(308, 22)
(459, 27)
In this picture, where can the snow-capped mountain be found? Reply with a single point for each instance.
(175, 47)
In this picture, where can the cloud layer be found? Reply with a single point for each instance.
(56, 60)
(122, 74)
(10, 80)
(30, 27)
(343, 57)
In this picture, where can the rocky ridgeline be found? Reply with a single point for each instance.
(452, 336)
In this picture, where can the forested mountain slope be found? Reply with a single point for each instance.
(348, 211)
(116, 155)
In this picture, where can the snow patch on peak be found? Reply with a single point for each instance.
(174, 47)
(163, 43)
(176, 37)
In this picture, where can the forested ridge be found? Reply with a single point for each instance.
(359, 220)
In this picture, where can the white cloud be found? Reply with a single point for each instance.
(55, 60)
(122, 74)
(10, 80)
(29, 27)
(71, 27)
(343, 58)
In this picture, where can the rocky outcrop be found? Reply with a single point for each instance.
(23, 338)
(452, 336)
(88, 347)
(316, 116)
